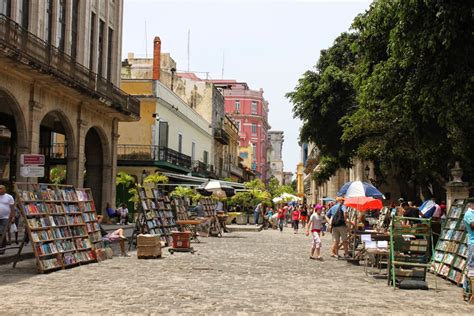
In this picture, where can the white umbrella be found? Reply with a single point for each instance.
(290, 197)
(277, 199)
(217, 188)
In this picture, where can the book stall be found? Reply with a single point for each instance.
(156, 215)
(411, 245)
(213, 228)
(61, 223)
(183, 220)
(450, 254)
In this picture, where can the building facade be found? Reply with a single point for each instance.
(171, 135)
(276, 139)
(249, 109)
(287, 177)
(59, 95)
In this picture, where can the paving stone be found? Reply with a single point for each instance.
(242, 273)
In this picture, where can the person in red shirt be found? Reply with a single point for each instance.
(281, 217)
(295, 217)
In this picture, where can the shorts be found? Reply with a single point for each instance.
(339, 232)
(316, 241)
(304, 218)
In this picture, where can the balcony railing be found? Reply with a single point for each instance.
(27, 48)
(236, 171)
(201, 167)
(153, 153)
(221, 135)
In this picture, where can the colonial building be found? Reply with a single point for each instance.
(59, 95)
(250, 110)
(361, 171)
(171, 135)
(275, 159)
(287, 177)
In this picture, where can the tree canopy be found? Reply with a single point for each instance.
(397, 90)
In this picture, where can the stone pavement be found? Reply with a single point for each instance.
(242, 273)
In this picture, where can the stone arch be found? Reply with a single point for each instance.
(98, 166)
(59, 155)
(13, 118)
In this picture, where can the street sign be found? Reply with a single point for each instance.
(32, 172)
(32, 159)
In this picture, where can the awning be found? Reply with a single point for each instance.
(181, 179)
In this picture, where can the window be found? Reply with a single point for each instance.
(62, 25)
(254, 129)
(205, 157)
(180, 143)
(237, 106)
(254, 107)
(6, 7)
(238, 125)
(193, 151)
(92, 40)
(163, 134)
(74, 27)
(49, 21)
(109, 54)
(25, 13)
(254, 150)
(100, 60)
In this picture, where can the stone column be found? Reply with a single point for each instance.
(113, 157)
(456, 189)
(80, 151)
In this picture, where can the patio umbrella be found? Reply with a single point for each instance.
(277, 199)
(359, 188)
(327, 199)
(217, 188)
(363, 203)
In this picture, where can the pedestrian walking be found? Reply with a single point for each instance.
(295, 217)
(304, 216)
(7, 212)
(337, 216)
(256, 213)
(123, 211)
(281, 217)
(469, 223)
(315, 225)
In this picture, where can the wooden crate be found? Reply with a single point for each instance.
(148, 246)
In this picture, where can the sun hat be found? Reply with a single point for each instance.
(318, 207)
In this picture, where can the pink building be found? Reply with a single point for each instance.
(250, 110)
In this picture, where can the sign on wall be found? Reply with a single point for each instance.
(32, 159)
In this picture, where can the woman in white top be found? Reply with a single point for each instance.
(315, 225)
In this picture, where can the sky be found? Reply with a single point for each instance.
(268, 44)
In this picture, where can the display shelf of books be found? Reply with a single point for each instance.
(208, 206)
(449, 260)
(89, 215)
(55, 225)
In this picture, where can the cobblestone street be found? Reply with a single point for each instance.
(266, 272)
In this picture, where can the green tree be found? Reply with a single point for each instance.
(322, 98)
(415, 81)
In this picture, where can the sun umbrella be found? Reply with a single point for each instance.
(217, 188)
(363, 203)
(277, 199)
(359, 188)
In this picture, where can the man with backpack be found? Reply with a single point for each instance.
(337, 217)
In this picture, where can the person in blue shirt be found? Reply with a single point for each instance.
(469, 223)
(338, 230)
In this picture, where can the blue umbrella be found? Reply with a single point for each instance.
(328, 199)
(359, 188)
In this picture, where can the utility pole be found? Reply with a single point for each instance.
(189, 49)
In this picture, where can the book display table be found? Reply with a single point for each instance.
(61, 223)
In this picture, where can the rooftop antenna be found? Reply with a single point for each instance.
(189, 37)
(223, 59)
(146, 46)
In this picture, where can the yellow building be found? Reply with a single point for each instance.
(170, 136)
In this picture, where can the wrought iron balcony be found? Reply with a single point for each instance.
(200, 167)
(221, 135)
(150, 154)
(24, 47)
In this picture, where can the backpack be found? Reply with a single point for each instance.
(338, 218)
